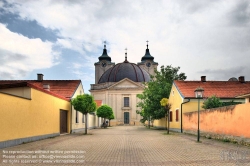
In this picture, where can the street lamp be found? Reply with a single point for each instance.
(198, 94)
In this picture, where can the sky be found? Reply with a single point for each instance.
(63, 39)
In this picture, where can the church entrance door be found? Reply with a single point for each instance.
(126, 117)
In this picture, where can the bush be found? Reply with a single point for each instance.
(212, 102)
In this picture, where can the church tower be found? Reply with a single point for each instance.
(103, 65)
(147, 62)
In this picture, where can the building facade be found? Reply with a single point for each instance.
(118, 84)
(30, 113)
(182, 97)
(39, 109)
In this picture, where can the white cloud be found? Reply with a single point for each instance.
(195, 35)
(21, 54)
(1, 4)
(78, 70)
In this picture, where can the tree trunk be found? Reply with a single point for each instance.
(168, 121)
(105, 123)
(86, 124)
(149, 122)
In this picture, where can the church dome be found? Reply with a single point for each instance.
(124, 70)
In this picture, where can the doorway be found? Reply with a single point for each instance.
(63, 121)
(126, 117)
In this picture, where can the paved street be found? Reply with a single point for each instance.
(126, 145)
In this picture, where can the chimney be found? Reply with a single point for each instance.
(39, 77)
(242, 79)
(203, 78)
(46, 87)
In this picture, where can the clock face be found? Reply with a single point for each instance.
(104, 64)
(148, 64)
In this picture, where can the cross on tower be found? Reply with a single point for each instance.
(126, 54)
(147, 43)
(104, 44)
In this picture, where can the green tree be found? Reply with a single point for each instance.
(104, 111)
(85, 104)
(143, 104)
(212, 102)
(111, 117)
(157, 88)
(166, 105)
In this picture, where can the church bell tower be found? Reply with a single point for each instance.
(147, 62)
(103, 64)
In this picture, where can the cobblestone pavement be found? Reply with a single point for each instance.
(126, 145)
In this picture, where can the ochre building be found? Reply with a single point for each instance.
(31, 110)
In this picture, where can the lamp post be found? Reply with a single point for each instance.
(198, 94)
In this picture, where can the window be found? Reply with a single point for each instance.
(77, 117)
(170, 116)
(126, 101)
(83, 118)
(177, 115)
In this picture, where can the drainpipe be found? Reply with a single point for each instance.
(71, 116)
(181, 113)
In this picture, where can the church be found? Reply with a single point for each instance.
(118, 84)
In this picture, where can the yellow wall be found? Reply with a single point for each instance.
(21, 118)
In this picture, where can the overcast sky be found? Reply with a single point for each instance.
(63, 39)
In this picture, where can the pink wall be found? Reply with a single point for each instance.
(230, 120)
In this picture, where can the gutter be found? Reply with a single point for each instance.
(71, 121)
(181, 113)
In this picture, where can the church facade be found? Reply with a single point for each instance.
(118, 84)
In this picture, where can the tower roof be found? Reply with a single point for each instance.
(147, 55)
(104, 55)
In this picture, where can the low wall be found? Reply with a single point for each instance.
(230, 121)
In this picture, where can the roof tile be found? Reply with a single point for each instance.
(60, 88)
(222, 89)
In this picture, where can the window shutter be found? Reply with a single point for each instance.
(177, 115)
(170, 117)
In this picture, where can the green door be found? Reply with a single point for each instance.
(126, 117)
